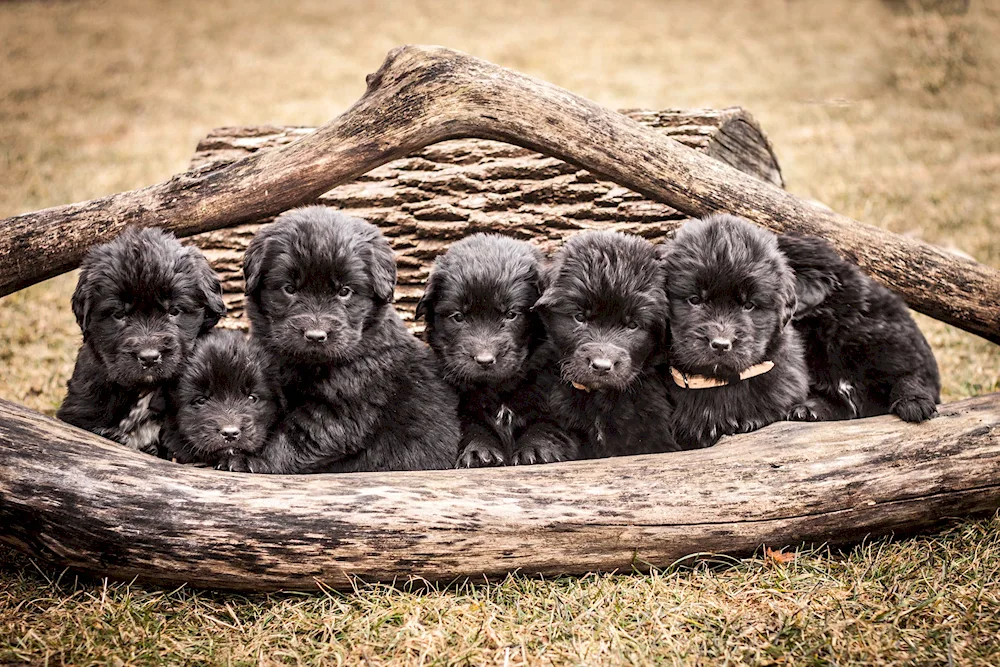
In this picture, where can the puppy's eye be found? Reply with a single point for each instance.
(289, 289)
(252, 398)
(458, 316)
(345, 292)
(633, 325)
(120, 314)
(694, 300)
(174, 311)
(199, 401)
(511, 315)
(580, 317)
(749, 305)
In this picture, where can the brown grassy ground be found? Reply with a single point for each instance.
(885, 114)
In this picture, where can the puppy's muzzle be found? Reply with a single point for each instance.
(149, 357)
(485, 358)
(316, 330)
(315, 335)
(721, 344)
(230, 432)
(721, 338)
(603, 359)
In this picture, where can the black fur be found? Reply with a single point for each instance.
(732, 296)
(479, 321)
(361, 392)
(604, 309)
(865, 353)
(140, 294)
(223, 402)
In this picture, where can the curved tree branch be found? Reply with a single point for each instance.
(423, 95)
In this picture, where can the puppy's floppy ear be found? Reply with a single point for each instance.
(547, 275)
(789, 301)
(81, 298)
(253, 260)
(812, 288)
(382, 268)
(210, 287)
(425, 307)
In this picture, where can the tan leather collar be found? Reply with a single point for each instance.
(686, 381)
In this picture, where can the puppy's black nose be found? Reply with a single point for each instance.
(721, 344)
(315, 335)
(602, 364)
(485, 358)
(229, 433)
(148, 357)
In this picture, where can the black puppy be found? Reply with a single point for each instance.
(141, 301)
(736, 365)
(865, 353)
(604, 309)
(479, 321)
(223, 402)
(362, 393)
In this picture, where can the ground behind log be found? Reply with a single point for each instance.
(887, 116)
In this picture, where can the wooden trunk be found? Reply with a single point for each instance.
(445, 192)
(76, 500)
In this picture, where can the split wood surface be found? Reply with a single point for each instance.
(425, 202)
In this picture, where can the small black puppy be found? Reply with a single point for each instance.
(141, 301)
(362, 393)
(736, 365)
(605, 312)
(479, 321)
(222, 403)
(865, 353)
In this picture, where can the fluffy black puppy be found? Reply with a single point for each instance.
(362, 393)
(223, 402)
(479, 321)
(141, 301)
(865, 353)
(732, 296)
(604, 309)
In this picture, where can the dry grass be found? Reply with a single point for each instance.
(931, 600)
(886, 112)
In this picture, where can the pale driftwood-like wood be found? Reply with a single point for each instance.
(76, 500)
(423, 95)
(443, 193)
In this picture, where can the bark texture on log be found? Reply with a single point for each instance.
(76, 500)
(424, 95)
(443, 193)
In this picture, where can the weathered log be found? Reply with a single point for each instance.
(424, 95)
(75, 500)
(441, 194)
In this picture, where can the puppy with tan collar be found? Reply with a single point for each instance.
(736, 364)
(604, 309)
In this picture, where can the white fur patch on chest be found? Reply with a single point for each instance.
(846, 390)
(504, 418)
(140, 428)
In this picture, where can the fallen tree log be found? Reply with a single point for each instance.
(430, 199)
(424, 95)
(76, 500)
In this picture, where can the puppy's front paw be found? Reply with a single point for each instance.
(539, 452)
(235, 463)
(804, 412)
(914, 408)
(479, 454)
